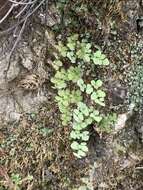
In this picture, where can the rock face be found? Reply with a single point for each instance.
(21, 89)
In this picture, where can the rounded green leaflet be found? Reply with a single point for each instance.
(71, 56)
(80, 116)
(76, 111)
(75, 117)
(73, 37)
(88, 121)
(98, 83)
(106, 62)
(77, 155)
(85, 135)
(97, 118)
(93, 83)
(53, 80)
(61, 92)
(103, 56)
(85, 111)
(65, 103)
(81, 105)
(94, 96)
(58, 98)
(97, 54)
(58, 75)
(63, 109)
(63, 51)
(89, 89)
(83, 147)
(73, 74)
(82, 88)
(88, 45)
(91, 109)
(83, 108)
(78, 93)
(71, 45)
(75, 134)
(83, 144)
(67, 91)
(99, 102)
(75, 145)
(66, 117)
(56, 64)
(81, 85)
(101, 99)
(78, 98)
(96, 112)
(64, 123)
(61, 84)
(77, 126)
(83, 125)
(79, 54)
(96, 61)
(81, 153)
(101, 93)
(80, 82)
(70, 76)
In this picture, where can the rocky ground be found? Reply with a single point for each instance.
(34, 148)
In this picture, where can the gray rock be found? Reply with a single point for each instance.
(15, 100)
(13, 71)
(27, 58)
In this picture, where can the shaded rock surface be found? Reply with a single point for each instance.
(21, 88)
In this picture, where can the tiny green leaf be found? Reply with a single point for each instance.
(99, 102)
(94, 96)
(85, 136)
(101, 93)
(97, 118)
(83, 147)
(106, 62)
(89, 89)
(81, 153)
(97, 53)
(98, 83)
(75, 145)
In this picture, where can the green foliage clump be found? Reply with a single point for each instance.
(134, 76)
(65, 100)
(63, 76)
(97, 95)
(83, 116)
(77, 51)
(136, 85)
(73, 90)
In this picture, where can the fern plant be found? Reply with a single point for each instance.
(73, 90)
(83, 116)
(65, 100)
(76, 50)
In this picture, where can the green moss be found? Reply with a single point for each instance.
(135, 76)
